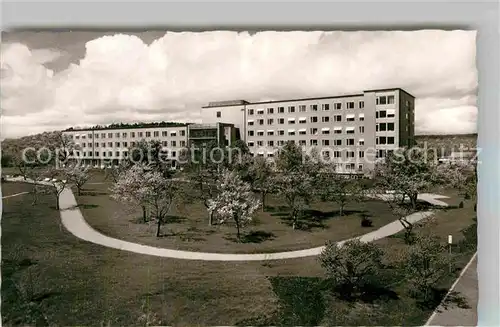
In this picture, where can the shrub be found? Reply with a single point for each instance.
(353, 266)
(461, 204)
(425, 263)
(469, 242)
(366, 222)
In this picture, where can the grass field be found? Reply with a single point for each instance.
(269, 232)
(49, 277)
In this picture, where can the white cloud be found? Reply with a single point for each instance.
(122, 78)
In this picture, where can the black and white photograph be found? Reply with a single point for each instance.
(239, 178)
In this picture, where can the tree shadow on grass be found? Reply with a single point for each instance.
(300, 299)
(258, 236)
(454, 299)
(91, 192)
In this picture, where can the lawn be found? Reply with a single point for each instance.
(65, 281)
(270, 231)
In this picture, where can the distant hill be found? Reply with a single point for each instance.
(445, 144)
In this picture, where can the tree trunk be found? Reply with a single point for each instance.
(158, 228)
(413, 199)
(341, 211)
(57, 202)
(144, 214)
(263, 194)
(238, 231)
(79, 190)
(403, 198)
(210, 218)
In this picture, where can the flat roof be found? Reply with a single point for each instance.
(128, 126)
(243, 102)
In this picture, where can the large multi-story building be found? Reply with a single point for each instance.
(352, 130)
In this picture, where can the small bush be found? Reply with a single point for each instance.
(426, 262)
(352, 267)
(366, 222)
(461, 204)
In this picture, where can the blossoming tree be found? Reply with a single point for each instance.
(235, 201)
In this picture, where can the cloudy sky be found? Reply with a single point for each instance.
(54, 80)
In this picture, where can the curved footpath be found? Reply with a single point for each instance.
(73, 221)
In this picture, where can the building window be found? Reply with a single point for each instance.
(302, 142)
(164, 133)
(260, 133)
(361, 104)
(110, 135)
(291, 133)
(302, 108)
(350, 105)
(104, 154)
(325, 119)
(103, 144)
(270, 143)
(390, 99)
(124, 135)
(250, 112)
(361, 129)
(182, 133)
(302, 132)
(325, 131)
(270, 133)
(117, 135)
(281, 132)
(117, 144)
(360, 167)
(89, 135)
(302, 120)
(350, 141)
(172, 134)
(314, 107)
(261, 121)
(361, 118)
(96, 145)
(350, 118)
(96, 154)
(382, 140)
(337, 118)
(164, 143)
(156, 133)
(337, 131)
(291, 109)
(250, 143)
(90, 145)
(390, 140)
(218, 114)
(110, 144)
(250, 123)
(281, 110)
(314, 131)
(270, 121)
(148, 134)
(350, 154)
(390, 126)
(337, 154)
(337, 142)
(382, 127)
(291, 121)
(139, 134)
(325, 142)
(349, 166)
(96, 136)
(338, 106)
(84, 145)
(325, 106)
(270, 111)
(125, 144)
(350, 130)
(117, 153)
(314, 119)
(281, 121)
(381, 100)
(361, 154)
(83, 137)
(260, 111)
(250, 133)
(173, 143)
(260, 143)
(313, 142)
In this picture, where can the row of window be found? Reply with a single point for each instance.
(312, 131)
(303, 108)
(385, 99)
(386, 114)
(382, 140)
(125, 144)
(303, 120)
(383, 127)
(110, 154)
(125, 135)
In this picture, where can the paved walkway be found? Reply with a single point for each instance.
(73, 221)
(13, 195)
(449, 313)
